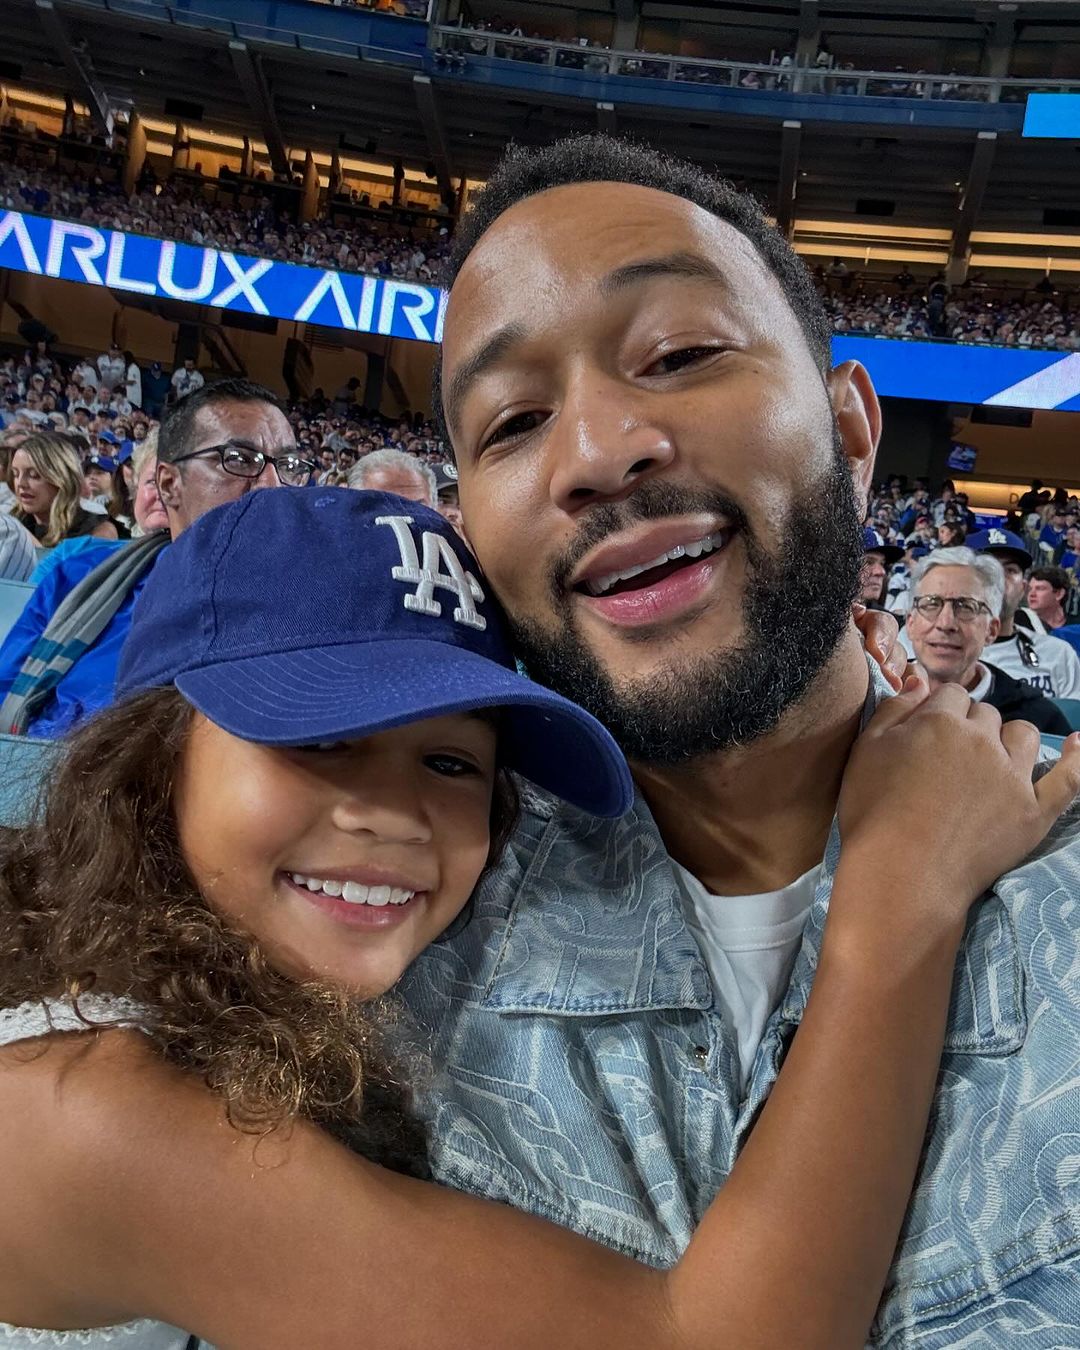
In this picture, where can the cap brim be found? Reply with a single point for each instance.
(357, 689)
(1017, 555)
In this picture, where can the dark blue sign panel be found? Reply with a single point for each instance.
(954, 373)
(205, 276)
(1053, 115)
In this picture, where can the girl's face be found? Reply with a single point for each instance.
(35, 493)
(98, 482)
(343, 861)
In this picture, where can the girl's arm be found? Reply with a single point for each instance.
(136, 1198)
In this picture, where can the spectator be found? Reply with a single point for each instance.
(86, 373)
(958, 595)
(112, 368)
(59, 666)
(878, 557)
(1038, 659)
(950, 534)
(186, 379)
(155, 389)
(46, 475)
(17, 550)
(1046, 593)
(1033, 498)
(446, 481)
(105, 484)
(1052, 536)
(133, 381)
(398, 472)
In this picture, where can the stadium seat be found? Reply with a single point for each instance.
(1070, 709)
(13, 596)
(23, 762)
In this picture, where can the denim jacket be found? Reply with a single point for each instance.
(587, 1076)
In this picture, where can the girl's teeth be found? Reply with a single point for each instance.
(353, 892)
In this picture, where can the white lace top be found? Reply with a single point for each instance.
(22, 1024)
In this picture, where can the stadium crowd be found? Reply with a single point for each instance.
(912, 309)
(1043, 319)
(179, 210)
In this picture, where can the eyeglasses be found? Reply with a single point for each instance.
(244, 461)
(965, 608)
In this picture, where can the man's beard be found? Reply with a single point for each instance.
(796, 607)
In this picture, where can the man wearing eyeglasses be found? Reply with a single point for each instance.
(219, 442)
(957, 597)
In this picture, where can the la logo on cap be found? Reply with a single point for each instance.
(429, 576)
(997, 537)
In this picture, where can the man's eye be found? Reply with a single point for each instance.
(671, 362)
(513, 426)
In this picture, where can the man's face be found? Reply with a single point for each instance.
(946, 646)
(872, 578)
(190, 489)
(648, 404)
(1042, 597)
(401, 482)
(1014, 585)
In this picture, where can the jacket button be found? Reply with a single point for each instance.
(701, 1054)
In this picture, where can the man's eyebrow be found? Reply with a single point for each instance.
(680, 264)
(482, 359)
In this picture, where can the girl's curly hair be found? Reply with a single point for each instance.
(95, 896)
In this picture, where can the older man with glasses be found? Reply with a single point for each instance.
(957, 599)
(58, 663)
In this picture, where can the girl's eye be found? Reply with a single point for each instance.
(513, 426)
(672, 362)
(451, 766)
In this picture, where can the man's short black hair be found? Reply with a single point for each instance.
(597, 158)
(1058, 578)
(178, 424)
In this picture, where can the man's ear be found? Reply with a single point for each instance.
(858, 416)
(994, 630)
(169, 486)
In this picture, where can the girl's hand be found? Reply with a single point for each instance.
(938, 791)
(880, 634)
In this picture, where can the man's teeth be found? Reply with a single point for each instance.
(352, 892)
(709, 544)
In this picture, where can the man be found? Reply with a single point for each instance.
(663, 480)
(395, 471)
(958, 596)
(449, 502)
(1038, 659)
(186, 379)
(1052, 535)
(227, 439)
(878, 558)
(1046, 593)
(112, 368)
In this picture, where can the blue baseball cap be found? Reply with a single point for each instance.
(102, 462)
(873, 543)
(294, 616)
(997, 540)
(109, 437)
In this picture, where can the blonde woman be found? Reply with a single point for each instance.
(47, 478)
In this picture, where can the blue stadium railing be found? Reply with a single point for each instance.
(599, 74)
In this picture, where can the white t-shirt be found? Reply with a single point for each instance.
(1058, 673)
(749, 943)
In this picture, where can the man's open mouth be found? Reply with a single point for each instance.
(643, 576)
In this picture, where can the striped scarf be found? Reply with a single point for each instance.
(80, 619)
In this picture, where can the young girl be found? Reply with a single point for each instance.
(204, 1107)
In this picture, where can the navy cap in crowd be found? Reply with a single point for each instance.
(873, 543)
(102, 462)
(997, 540)
(364, 614)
